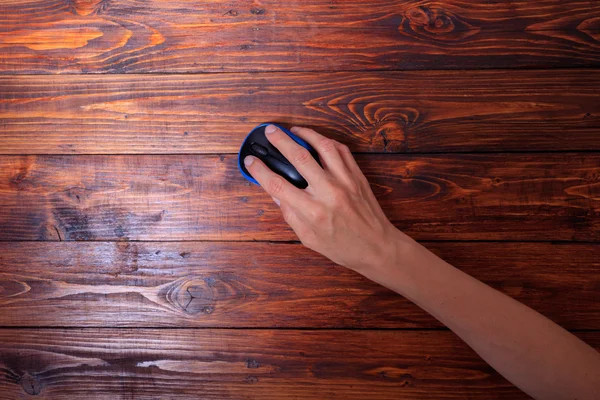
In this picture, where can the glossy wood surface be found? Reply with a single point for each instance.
(136, 262)
(125, 36)
(216, 284)
(254, 364)
(204, 197)
(405, 112)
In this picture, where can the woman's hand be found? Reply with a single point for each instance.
(337, 215)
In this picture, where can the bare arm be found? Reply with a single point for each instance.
(339, 217)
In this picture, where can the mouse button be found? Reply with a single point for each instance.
(258, 150)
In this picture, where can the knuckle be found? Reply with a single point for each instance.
(338, 194)
(343, 148)
(275, 185)
(319, 215)
(301, 156)
(287, 214)
(363, 181)
(326, 145)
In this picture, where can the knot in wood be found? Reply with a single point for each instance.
(30, 384)
(200, 295)
(435, 23)
(87, 7)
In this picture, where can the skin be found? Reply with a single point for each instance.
(338, 216)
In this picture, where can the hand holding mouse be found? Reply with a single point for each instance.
(337, 215)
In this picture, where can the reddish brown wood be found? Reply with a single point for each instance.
(268, 285)
(217, 364)
(451, 197)
(423, 111)
(127, 287)
(116, 36)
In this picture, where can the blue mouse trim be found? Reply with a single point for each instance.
(290, 134)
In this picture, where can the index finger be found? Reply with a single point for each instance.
(296, 154)
(275, 185)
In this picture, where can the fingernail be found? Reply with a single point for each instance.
(248, 161)
(276, 201)
(270, 129)
(294, 128)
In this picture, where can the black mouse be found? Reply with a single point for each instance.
(256, 144)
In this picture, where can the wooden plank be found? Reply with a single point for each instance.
(540, 197)
(83, 36)
(217, 364)
(200, 284)
(422, 111)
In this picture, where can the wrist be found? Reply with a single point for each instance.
(389, 266)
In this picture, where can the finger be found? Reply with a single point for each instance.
(348, 159)
(357, 175)
(300, 157)
(360, 177)
(280, 190)
(330, 152)
(327, 149)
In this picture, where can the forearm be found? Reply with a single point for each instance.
(528, 349)
(339, 216)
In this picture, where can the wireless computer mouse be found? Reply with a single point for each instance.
(257, 144)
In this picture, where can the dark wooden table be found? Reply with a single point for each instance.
(136, 262)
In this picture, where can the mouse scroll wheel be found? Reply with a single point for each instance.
(258, 150)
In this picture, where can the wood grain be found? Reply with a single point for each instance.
(268, 285)
(454, 197)
(118, 36)
(422, 111)
(107, 233)
(217, 364)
